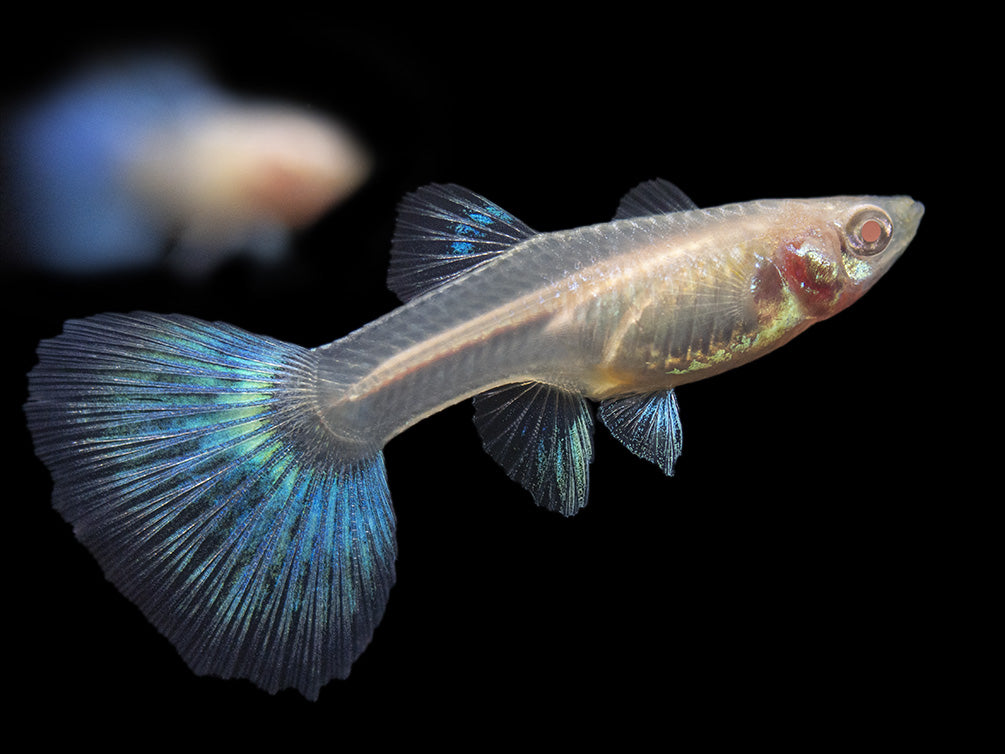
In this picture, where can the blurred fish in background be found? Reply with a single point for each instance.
(139, 162)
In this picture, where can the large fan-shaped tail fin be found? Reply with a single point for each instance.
(190, 459)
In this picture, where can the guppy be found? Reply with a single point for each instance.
(233, 486)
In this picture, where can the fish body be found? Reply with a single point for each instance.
(131, 158)
(632, 306)
(233, 486)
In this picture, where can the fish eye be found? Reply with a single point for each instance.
(868, 232)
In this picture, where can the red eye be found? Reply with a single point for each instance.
(871, 231)
(868, 232)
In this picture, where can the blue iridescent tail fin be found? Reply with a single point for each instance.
(190, 460)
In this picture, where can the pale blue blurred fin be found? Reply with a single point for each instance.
(655, 197)
(444, 231)
(72, 154)
(543, 437)
(190, 460)
(648, 425)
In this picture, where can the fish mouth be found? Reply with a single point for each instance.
(908, 213)
(915, 211)
(905, 214)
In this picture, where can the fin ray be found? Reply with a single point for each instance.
(543, 437)
(655, 197)
(442, 232)
(648, 425)
(189, 459)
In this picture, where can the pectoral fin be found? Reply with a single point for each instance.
(648, 425)
(543, 437)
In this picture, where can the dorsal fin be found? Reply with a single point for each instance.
(648, 425)
(444, 231)
(655, 197)
(543, 437)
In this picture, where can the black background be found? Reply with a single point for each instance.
(797, 568)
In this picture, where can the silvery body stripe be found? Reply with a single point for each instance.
(631, 302)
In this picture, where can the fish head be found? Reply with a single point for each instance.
(843, 246)
(874, 232)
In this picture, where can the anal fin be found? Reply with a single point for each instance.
(648, 425)
(543, 437)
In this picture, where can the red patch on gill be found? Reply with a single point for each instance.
(811, 275)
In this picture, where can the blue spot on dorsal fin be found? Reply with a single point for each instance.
(543, 437)
(444, 231)
(648, 425)
(655, 197)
